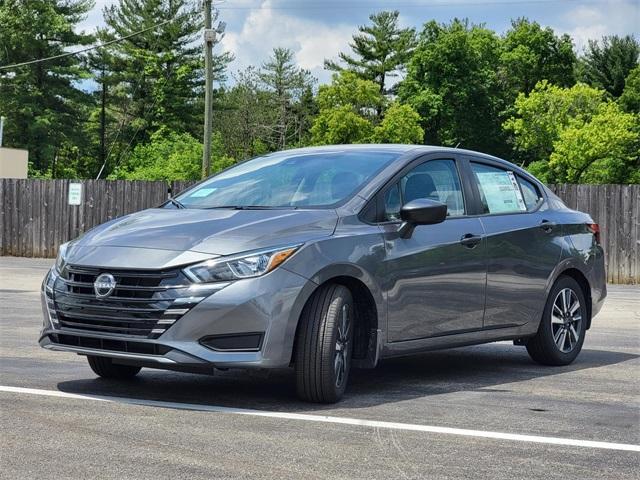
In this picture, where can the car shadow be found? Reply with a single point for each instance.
(479, 368)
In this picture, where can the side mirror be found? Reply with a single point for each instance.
(420, 211)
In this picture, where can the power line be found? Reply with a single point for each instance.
(374, 5)
(68, 54)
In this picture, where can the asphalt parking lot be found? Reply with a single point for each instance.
(476, 412)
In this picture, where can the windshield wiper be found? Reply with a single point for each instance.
(253, 207)
(176, 203)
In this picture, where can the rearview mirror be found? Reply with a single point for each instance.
(421, 211)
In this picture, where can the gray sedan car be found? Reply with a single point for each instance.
(328, 258)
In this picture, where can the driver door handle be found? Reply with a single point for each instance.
(470, 240)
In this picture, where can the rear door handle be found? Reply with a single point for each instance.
(470, 240)
(547, 226)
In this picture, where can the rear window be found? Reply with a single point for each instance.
(530, 192)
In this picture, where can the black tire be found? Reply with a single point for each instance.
(543, 347)
(319, 342)
(104, 367)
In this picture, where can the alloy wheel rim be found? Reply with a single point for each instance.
(342, 350)
(566, 320)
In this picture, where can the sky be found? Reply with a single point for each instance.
(317, 29)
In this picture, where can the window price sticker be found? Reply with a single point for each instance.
(516, 189)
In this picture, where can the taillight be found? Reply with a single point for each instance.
(595, 229)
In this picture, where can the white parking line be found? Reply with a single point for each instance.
(326, 419)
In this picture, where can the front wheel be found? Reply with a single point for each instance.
(563, 326)
(324, 345)
(104, 367)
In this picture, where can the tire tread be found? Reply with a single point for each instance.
(541, 347)
(104, 367)
(313, 365)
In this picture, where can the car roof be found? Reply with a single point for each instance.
(407, 153)
(400, 148)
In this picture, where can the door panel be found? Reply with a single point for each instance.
(521, 257)
(434, 284)
(522, 246)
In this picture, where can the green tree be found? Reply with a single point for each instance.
(157, 75)
(452, 83)
(288, 84)
(630, 98)
(607, 63)
(540, 117)
(531, 53)
(348, 115)
(305, 110)
(170, 155)
(380, 49)
(347, 89)
(347, 109)
(605, 149)
(401, 124)
(42, 103)
(340, 125)
(244, 115)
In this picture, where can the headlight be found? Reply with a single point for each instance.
(247, 265)
(61, 258)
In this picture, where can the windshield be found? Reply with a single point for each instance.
(289, 180)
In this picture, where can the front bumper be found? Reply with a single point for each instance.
(268, 306)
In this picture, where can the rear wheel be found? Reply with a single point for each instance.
(324, 345)
(562, 330)
(104, 367)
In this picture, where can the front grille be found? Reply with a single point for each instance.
(110, 345)
(143, 304)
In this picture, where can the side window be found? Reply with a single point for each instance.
(530, 192)
(435, 179)
(499, 190)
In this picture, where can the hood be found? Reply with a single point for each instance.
(211, 232)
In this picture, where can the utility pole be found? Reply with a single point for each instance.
(209, 39)
(103, 120)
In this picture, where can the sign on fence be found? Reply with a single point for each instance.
(75, 194)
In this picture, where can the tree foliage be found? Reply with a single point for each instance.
(348, 115)
(287, 84)
(401, 124)
(134, 108)
(531, 53)
(604, 149)
(154, 79)
(42, 103)
(347, 108)
(380, 49)
(453, 84)
(540, 116)
(340, 125)
(159, 73)
(169, 155)
(630, 98)
(607, 63)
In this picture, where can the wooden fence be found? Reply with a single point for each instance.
(35, 217)
(616, 208)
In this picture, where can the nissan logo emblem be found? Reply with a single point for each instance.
(104, 285)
